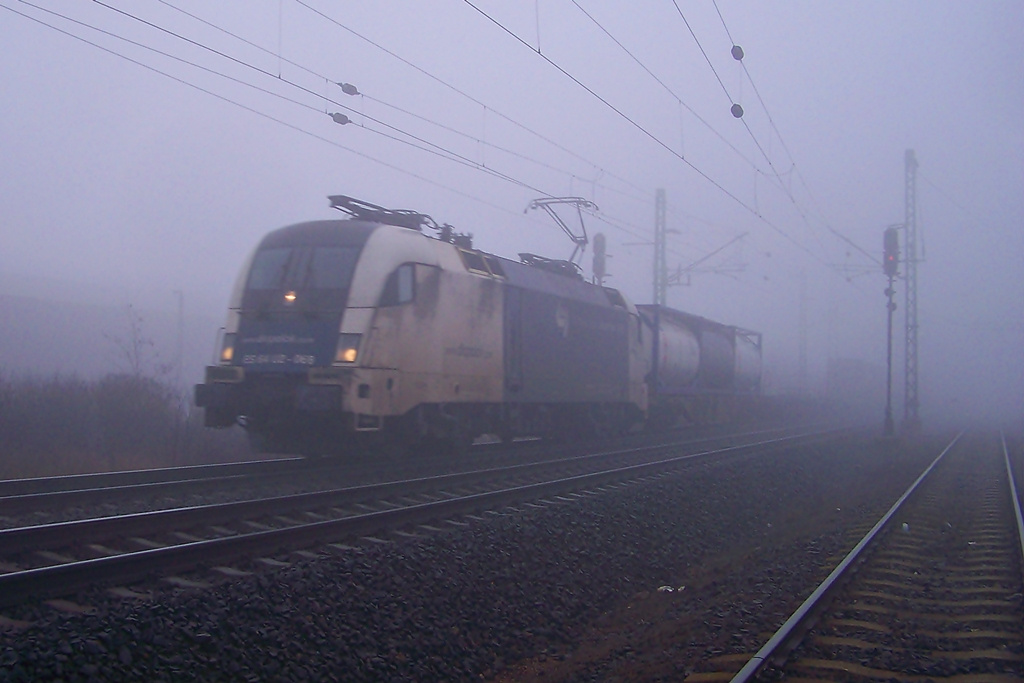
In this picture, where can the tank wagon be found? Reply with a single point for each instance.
(343, 334)
(700, 371)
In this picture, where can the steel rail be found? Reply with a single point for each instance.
(135, 483)
(53, 500)
(1016, 500)
(65, 578)
(13, 488)
(795, 625)
(48, 493)
(18, 494)
(43, 536)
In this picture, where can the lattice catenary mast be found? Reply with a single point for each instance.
(911, 420)
(660, 261)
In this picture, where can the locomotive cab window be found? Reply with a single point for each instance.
(400, 287)
(302, 267)
(330, 267)
(269, 268)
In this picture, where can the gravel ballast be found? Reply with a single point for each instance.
(568, 591)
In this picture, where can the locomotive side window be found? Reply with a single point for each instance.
(406, 283)
(400, 287)
(495, 266)
(481, 264)
(474, 262)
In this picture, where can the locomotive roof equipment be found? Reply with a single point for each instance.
(402, 218)
(580, 203)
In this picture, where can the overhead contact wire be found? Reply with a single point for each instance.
(795, 168)
(646, 132)
(393, 106)
(437, 149)
(223, 98)
(665, 86)
(469, 97)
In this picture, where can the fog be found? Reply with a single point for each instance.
(147, 146)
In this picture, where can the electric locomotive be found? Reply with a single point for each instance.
(362, 331)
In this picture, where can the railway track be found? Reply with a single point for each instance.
(65, 498)
(934, 591)
(70, 497)
(18, 496)
(12, 488)
(60, 559)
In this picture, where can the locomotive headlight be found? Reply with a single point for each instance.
(348, 348)
(227, 351)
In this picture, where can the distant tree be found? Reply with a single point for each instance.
(136, 350)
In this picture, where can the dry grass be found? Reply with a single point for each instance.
(67, 425)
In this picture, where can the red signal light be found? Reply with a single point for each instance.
(891, 252)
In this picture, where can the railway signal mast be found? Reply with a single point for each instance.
(890, 266)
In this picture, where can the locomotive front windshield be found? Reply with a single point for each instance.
(302, 268)
(291, 309)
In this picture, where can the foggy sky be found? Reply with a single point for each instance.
(128, 177)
